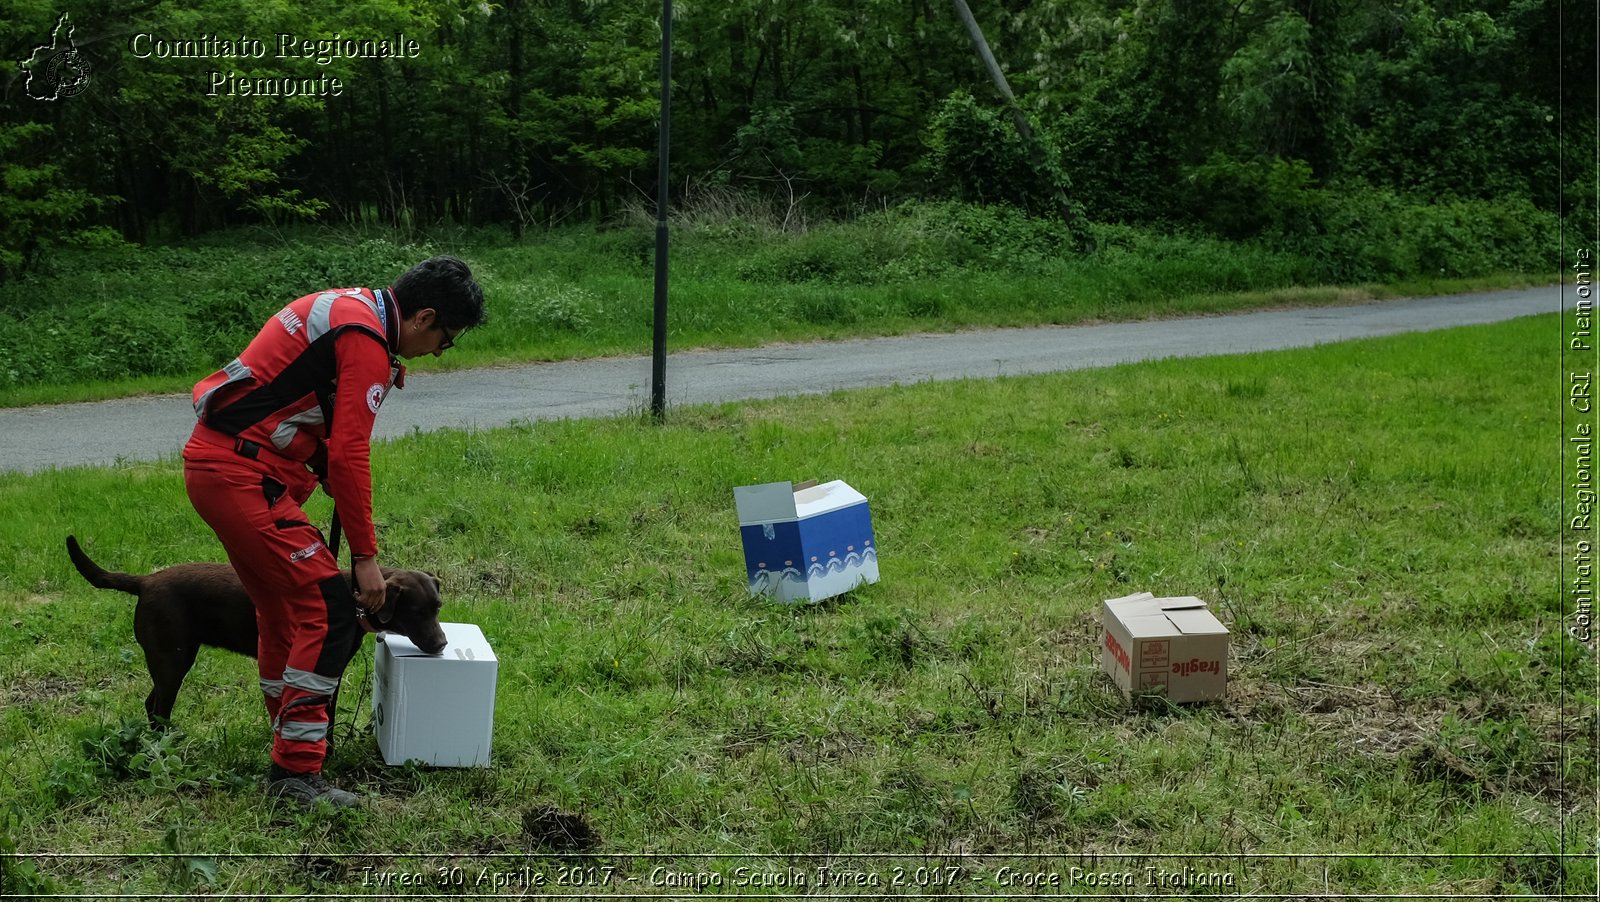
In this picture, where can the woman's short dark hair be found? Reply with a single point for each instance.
(445, 284)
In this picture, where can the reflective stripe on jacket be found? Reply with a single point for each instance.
(281, 392)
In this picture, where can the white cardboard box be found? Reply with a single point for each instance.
(811, 543)
(1172, 647)
(435, 709)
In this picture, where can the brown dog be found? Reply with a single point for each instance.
(189, 605)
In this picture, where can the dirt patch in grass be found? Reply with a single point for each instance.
(831, 748)
(1371, 721)
(549, 828)
(1366, 720)
(34, 690)
(495, 579)
(1363, 719)
(826, 749)
(1435, 764)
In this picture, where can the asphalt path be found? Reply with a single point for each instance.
(150, 428)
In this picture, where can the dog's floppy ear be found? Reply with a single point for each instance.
(391, 603)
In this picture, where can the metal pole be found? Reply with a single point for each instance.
(658, 363)
(1019, 118)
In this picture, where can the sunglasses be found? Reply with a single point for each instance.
(449, 340)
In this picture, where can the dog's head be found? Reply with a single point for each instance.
(411, 609)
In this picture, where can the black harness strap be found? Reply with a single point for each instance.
(335, 531)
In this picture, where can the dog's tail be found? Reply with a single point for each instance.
(99, 577)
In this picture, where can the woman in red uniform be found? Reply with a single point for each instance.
(295, 408)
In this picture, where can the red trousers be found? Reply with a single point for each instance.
(305, 611)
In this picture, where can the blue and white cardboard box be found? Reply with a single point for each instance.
(811, 544)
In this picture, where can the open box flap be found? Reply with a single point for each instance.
(1139, 604)
(772, 502)
(465, 643)
(822, 499)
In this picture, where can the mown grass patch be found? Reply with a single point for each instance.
(1376, 520)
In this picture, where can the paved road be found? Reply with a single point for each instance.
(105, 432)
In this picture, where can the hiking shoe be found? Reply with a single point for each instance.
(308, 789)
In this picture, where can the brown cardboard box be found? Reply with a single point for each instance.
(1170, 647)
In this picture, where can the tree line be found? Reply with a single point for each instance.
(1243, 117)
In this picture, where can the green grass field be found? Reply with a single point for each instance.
(1377, 521)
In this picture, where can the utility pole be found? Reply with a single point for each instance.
(658, 350)
(980, 44)
(1018, 118)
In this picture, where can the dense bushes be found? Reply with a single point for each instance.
(114, 313)
(975, 153)
(1355, 232)
(528, 115)
(1337, 237)
(110, 314)
(916, 240)
(1378, 236)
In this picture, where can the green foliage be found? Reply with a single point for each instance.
(109, 339)
(975, 154)
(127, 750)
(1239, 199)
(1269, 75)
(1450, 104)
(19, 877)
(1145, 109)
(187, 871)
(117, 313)
(548, 306)
(287, 206)
(1356, 232)
(1581, 212)
(770, 140)
(304, 266)
(743, 275)
(1374, 235)
(909, 242)
(40, 207)
(531, 115)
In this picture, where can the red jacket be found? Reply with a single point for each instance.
(325, 356)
